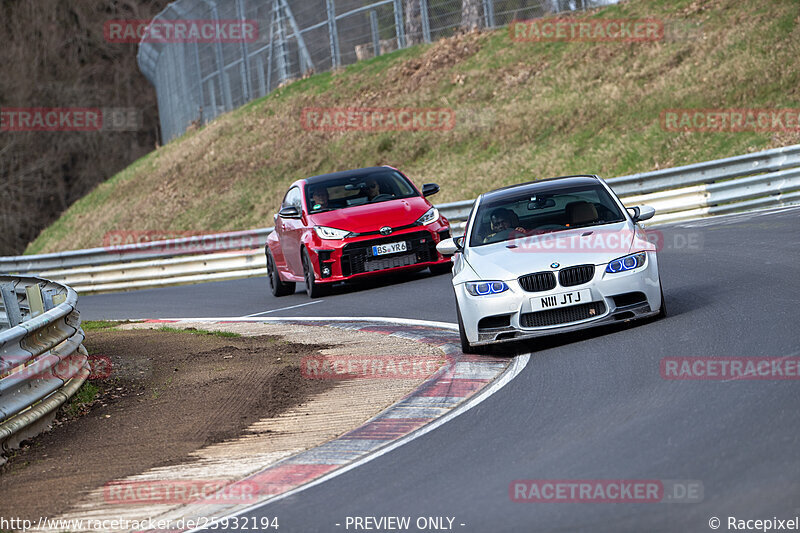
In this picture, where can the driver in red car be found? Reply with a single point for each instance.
(320, 198)
(373, 189)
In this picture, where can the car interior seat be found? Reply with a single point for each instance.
(579, 213)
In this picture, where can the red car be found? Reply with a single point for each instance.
(353, 224)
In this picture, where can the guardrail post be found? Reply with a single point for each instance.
(47, 296)
(35, 303)
(11, 304)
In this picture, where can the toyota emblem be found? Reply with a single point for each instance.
(386, 230)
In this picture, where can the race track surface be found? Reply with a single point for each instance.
(587, 406)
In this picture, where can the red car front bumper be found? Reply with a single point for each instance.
(353, 257)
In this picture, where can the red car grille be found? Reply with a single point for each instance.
(357, 257)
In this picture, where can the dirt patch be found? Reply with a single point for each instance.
(169, 394)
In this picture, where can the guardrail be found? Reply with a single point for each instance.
(42, 360)
(762, 179)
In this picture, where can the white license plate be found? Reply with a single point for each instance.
(562, 299)
(391, 248)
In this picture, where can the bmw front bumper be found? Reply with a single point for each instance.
(510, 315)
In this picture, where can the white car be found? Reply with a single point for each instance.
(551, 256)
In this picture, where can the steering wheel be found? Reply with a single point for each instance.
(382, 197)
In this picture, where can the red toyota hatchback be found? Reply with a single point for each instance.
(352, 224)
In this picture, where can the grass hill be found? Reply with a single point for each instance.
(524, 111)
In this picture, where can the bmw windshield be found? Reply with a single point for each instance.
(341, 193)
(530, 213)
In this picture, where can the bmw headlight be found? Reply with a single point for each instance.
(430, 216)
(629, 262)
(484, 288)
(331, 233)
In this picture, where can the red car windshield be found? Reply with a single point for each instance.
(341, 193)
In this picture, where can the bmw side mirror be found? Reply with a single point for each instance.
(644, 212)
(289, 211)
(429, 189)
(449, 246)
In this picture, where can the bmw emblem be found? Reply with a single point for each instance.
(386, 230)
(555, 265)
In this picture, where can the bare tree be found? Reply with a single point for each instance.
(59, 57)
(413, 22)
(470, 14)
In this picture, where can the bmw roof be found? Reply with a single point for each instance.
(540, 186)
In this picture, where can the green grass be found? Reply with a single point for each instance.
(86, 394)
(223, 334)
(94, 325)
(526, 111)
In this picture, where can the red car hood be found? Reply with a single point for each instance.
(372, 217)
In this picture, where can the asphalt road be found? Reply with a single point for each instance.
(587, 406)
(418, 295)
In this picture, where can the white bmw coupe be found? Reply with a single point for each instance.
(551, 256)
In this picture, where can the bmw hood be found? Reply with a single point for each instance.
(371, 217)
(594, 245)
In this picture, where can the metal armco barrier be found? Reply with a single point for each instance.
(762, 179)
(42, 360)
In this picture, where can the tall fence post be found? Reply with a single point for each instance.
(282, 54)
(199, 77)
(426, 23)
(245, 68)
(305, 58)
(376, 38)
(333, 33)
(223, 75)
(398, 24)
(269, 57)
(488, 13)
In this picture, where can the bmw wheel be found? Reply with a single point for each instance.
(466, 347)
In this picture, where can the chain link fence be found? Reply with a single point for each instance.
(197, 81)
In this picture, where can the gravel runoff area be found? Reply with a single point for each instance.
(198, 409)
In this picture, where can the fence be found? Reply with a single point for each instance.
(197, 81)
(42, 360)
(762, 179)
